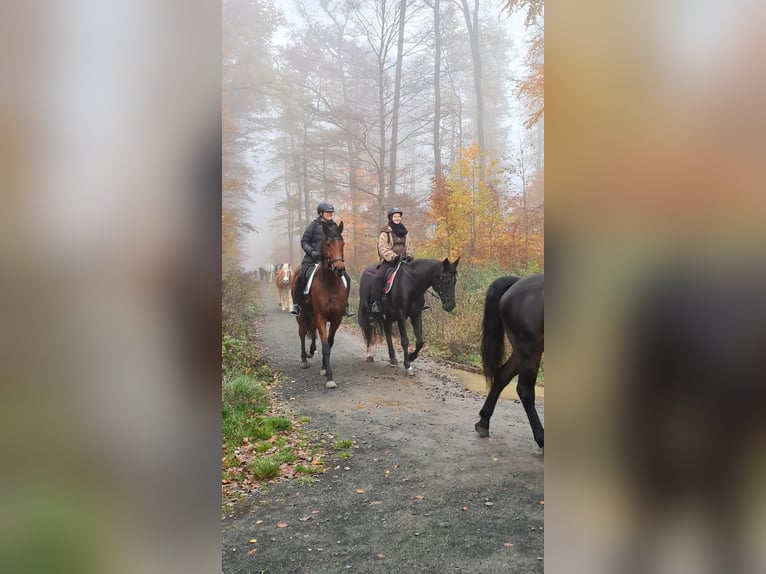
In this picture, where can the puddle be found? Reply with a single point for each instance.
(476, 383)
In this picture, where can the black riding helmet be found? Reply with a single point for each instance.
(324, 206)
(394, 210)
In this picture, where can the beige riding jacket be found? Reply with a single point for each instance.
(390, 246)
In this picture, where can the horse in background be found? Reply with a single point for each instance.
(513, 308)
(326, 301)
(270, 270)
(263, 274)
(405, 301)
(283, 280)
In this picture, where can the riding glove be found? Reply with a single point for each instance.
(314, 255)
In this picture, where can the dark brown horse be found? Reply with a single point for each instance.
(326, 302)
(513, 308)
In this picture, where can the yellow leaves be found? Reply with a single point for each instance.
(282, 525)
(253, 540)
(359, 491)
(418, 497)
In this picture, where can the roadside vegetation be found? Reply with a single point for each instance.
(260, 441)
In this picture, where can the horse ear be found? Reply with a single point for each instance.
(340, 227)
(445, 264)
(457, 260)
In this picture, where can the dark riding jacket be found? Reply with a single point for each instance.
(312, 239)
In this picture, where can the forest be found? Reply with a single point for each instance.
(432, 106)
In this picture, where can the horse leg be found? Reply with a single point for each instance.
(526, 391)
(401, 321)
(302, 335)
(313, 347)
(391, 353)
(417, 329)
(326, 347)
(501, 379)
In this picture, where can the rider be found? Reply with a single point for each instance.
(311, 243)
(394, 245)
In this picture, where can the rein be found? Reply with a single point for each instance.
(427, 289)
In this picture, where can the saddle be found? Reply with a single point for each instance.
(390, 276)
(310, 272)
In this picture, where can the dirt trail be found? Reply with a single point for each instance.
(436, 497)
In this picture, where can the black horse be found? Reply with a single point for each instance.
(690, 412)
(405, 301)
(514, 308)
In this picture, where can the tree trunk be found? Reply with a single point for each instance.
(437, 94)
(397, 97)
(473, 30)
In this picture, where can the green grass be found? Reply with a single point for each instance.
(285, 455)
(304, 469)
(344, 443)
(264, 468)
(344, 455)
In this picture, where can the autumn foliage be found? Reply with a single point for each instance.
(477, 218)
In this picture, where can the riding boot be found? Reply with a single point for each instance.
(296, 310)
(426, 306)
(375, 307)
(348, 312)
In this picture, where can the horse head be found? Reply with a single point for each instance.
(444, 283)
(332, 249)
(284, 274)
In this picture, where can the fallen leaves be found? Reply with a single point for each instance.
(418, 497)
(359, 491)
(282, 525)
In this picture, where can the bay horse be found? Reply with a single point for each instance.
(283, 280)
(326, 301)
(405, 301)
(513, 308)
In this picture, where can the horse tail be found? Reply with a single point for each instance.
(492, 333)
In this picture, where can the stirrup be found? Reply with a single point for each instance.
(426, 306)
(296, 310)
(348, 312)
(375, 307)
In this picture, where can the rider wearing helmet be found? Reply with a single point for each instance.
(311, 243)
(394, 245)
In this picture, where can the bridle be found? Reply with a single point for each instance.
(331, 262)
(449, 277)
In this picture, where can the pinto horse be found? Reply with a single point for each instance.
(326, 302)
(405, 301)
(283, 280)
(513, 308)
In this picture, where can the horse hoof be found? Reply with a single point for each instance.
(410, 371)
(304, 365)
(322, 372)
(393, 362)
(330, 384)
(483, 431)
(370, 359)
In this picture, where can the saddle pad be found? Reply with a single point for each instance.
(311, 278)
(390, 276)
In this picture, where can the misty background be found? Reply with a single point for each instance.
(433, 106)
